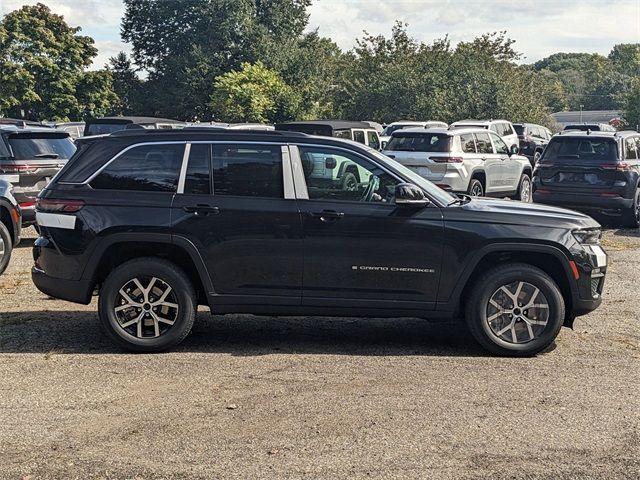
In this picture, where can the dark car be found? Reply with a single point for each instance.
(29, 158)
(161, 222)
(594, 172)
(594, 127)
(10, 224)
(360, 132)
(106, 125)
(533, 138)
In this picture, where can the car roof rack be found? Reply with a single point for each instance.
(211, 130)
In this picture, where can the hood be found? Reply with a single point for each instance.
(484, 210)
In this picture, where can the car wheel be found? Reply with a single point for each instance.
(632, 215)
(475, 188)
(515, 310)
(349, 182)
(147, 305)
(6, 246)
(524, 189)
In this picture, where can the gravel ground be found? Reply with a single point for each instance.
(261, 397)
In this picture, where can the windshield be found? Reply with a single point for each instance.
(419, 142)
(583, 149)
(394, 128)
(34, 146)
(432, 190)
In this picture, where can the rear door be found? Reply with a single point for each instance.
(579, 163)
(244, 221)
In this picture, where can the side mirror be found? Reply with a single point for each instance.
(514, 150)
(407, 194)
(330, 163)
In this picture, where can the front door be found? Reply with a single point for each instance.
(246, 228)
(358, 245)
(493, 163)
(510, 168)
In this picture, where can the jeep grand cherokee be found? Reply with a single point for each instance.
(160, 222)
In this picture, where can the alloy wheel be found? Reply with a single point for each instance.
(525, 191)
(2, 248)
(517, 312)
(476, 190)
(146, 307)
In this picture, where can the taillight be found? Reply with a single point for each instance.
(13, 168)
(27, 205)
(620, 167)
(69, 206)
(447, 159)
(609, 194)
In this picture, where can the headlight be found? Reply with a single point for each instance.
(588, 237)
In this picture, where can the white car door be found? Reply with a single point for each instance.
(492, 162)
(510, 166)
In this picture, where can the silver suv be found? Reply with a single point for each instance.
(503, 128)
(465, 160)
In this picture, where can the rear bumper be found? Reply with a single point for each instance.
(70, 290)
(584, 202)
(26, 200)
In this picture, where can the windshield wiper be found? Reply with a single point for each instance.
(47, 155)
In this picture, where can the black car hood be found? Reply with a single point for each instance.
(518, 213)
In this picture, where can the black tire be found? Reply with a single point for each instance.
(631, 217)
(169, 274)
(475, 185)
(489, 284)
(6, 247)
(524, 187)
(349, 182)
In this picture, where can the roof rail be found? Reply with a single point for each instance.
(211, 130)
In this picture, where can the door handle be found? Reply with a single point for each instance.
(202, 209)
(483, 158)
(327, 215)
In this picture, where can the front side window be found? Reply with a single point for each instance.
(467, 143)
(248, 170)
(419, 142)
(358, 136)
(374, 141)
(483, 143)
(632, 149)
(147, 168)
(501, 147)
(338, 175)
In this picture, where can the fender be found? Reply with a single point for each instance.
(14, 229)
(185, 244)
(450, 303)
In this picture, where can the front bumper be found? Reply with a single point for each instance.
(591, 263)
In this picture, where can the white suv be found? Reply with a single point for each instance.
(385, 136)
(464, 160)
(504, 128)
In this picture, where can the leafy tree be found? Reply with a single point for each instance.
(625, 58)
(631, 104)
(254, 94)
(126, 85)
(42, 62)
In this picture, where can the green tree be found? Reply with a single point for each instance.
(126, 85)
(42, 62)
(625, 58)
(631, 104)
(254, 94)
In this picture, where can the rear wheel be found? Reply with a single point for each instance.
(475, 188)
(6, 246)
(515, 310)
(349, 182)
(524, 189)
(631, 217)
(147, 305)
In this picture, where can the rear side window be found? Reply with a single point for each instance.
(198, 178)
(484, 143)
(419, 142)
(632, 149)
(358, 136)
(29, 146)
(248, 170)
(583, 149)
(148, 168)
(467, 143)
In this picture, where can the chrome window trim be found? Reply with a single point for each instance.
(120, 153)
(299, 182)
(287, 174)
(183, 168)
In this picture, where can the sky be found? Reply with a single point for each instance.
(540, 27)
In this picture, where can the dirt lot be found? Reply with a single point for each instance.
(256, 397)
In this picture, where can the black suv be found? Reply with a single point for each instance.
(10, 224)
(594, 172)
(532, 138)
(29, 158)
(160, 222)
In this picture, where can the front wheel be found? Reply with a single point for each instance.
(147, 305)
(515, 310)
(524, 189)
